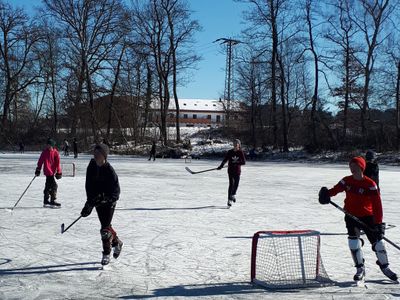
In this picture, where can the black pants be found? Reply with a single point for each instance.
(353, 228)
(109, 237)
(50, 189)
(152, 155)
(233, 184)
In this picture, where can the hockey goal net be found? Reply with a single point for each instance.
(68, 169)
(287, 259)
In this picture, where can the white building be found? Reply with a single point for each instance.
(196, 112)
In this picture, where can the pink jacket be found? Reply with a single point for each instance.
(50, 159)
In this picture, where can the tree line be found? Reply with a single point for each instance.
(317, 74)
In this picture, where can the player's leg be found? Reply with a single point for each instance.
(236, 179)
(378, 246)
(46, 191)
(53, 192)
(355, 245)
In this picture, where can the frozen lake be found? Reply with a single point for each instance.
(179, 238)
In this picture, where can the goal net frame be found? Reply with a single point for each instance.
(308, 269)
(68, 169)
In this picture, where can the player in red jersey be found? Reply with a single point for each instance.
(364, 202)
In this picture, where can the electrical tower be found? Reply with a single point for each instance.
(229, 72)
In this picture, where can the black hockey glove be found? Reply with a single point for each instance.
(380, 230)
(86, 210)
(323, 196)
(58, 176)
(220, 167)
(37, 172)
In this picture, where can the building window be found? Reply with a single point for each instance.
(185, 116)
(194, 116)
(218, 119)
(209, 117)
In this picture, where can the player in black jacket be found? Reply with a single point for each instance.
(235, 158)
(102, 190)
(372, 168)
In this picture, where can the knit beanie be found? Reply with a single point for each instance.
(103, 149)
(51, 142)
(237, 141)
(359, 161)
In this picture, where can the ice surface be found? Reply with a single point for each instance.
(179, 238)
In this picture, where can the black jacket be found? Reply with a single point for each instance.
(372, 171)
(101, 181)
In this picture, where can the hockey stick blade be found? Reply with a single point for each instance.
(190, 171)
(62, 228)
(203, 171)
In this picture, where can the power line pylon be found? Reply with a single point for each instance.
(229, 72)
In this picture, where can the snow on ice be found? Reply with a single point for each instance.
(179, 238)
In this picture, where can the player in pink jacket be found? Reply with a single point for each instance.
(50, 160)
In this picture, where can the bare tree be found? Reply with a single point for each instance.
(92, 29)
(17, 39)
(370, 17)
(341, 32)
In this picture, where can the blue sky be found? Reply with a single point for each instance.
(219, 18)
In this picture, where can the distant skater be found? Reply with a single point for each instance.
(235, 158)
(153, 151)
(75, 145)
(50, 160)
(66, 148)
(21, 147)
(364, 202)
(102, 191)
(372, 168)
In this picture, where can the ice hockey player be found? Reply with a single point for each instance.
(372, 168)
(66, 148)
(153, 151)
(102, 191)
(75, 145)
(50, 160)
(235, 158)
(364, 202)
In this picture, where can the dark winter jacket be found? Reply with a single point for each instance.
(101, 183)
(372, 171)
(235, 160)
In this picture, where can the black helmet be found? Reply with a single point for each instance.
(370, 155)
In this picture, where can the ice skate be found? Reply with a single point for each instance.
(117, 249)
(55, 204)
(389, 274)
(105, 260)
(233, 198)
(360, 274)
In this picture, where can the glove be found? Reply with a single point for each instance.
(380, 230)
(220, 167)
(58, 176)
(37, 172)
(323, 195)
(86, 210)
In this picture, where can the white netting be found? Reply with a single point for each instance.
(288, 259)
(68, 169)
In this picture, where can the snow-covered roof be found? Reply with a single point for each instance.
(199, 105)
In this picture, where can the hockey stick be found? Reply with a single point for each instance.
(193, 172)
(16, 203)
(362, 223)
(62, 225)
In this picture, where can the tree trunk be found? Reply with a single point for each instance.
(273, 72)
(112, 95)
(398, 105)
